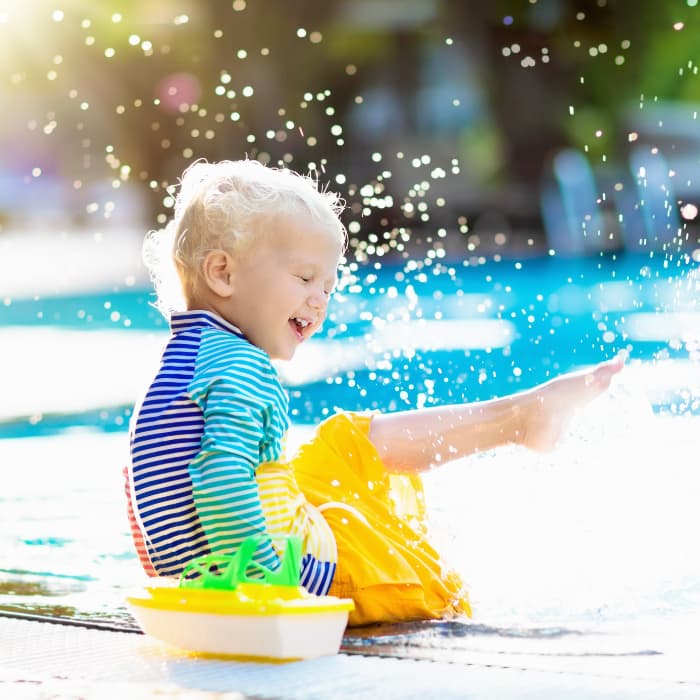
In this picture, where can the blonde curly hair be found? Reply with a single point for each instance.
(221, 206)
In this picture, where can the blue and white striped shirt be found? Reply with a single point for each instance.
(214, 412)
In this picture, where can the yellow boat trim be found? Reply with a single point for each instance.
(246, 599)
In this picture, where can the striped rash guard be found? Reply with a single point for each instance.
(215, 411)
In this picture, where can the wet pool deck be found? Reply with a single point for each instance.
(45, 660)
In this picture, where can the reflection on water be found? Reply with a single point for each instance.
(64, 547)
(22, 595)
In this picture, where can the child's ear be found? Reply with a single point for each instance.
(216, 270)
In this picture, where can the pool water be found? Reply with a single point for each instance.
(601, 529)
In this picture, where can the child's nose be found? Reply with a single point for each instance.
(318, 299)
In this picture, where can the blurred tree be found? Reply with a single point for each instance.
(134, 90)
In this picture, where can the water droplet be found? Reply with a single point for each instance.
(689, 211)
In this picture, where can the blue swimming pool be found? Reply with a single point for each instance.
(539, 537)
(398, 337)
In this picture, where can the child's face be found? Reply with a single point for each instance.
(283, 285)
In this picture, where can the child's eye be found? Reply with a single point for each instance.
(304, 279)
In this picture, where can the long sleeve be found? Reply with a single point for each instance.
(240, 398)
(213, 413)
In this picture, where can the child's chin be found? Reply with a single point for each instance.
(285, 356)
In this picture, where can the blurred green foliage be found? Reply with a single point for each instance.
(131, 91)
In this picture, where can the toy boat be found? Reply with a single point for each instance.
(218, 609)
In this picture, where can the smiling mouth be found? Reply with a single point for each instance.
(299, 325)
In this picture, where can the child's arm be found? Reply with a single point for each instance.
(237, 427)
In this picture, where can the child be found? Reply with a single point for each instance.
(256, 252)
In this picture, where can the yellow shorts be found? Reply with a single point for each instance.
(385, 562)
